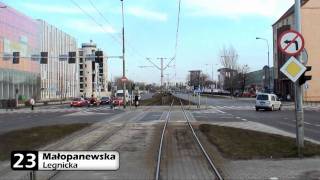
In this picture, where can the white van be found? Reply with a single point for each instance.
(120, 94)
(268, 102)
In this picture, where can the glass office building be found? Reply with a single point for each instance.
(18, 33)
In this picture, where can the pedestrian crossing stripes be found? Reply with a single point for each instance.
(64, 109)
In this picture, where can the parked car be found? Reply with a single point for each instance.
(267, 102)
(78, 102)
(105, 100)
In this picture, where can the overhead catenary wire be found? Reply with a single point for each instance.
(132, 50)
(95, 21)
(177, 36)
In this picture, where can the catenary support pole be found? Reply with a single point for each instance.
(123, 60)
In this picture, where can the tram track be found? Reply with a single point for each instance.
(200, 148)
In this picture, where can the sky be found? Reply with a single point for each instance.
(206, 26)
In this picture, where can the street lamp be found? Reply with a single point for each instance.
(269, 80)
(123, 58)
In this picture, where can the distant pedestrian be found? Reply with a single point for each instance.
(136, 100)
(32, 102)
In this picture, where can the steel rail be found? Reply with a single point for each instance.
(161, 141)
(200, 145)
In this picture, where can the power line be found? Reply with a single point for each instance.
(103, 17)
(177, 31)
(177, 36)
(132, 50)
(94, 20)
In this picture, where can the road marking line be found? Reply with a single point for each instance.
(220, 111)
(244, 120)
(238, 117)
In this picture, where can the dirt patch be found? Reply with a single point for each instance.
(236, 143)
(164, 99)
(34, 138)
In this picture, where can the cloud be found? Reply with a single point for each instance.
(89, 27)
(46, 8)
(238, 8)
(147, 14)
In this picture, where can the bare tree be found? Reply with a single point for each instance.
(229, 58)
(243, 72)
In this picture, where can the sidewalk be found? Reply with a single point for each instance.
(24, 107)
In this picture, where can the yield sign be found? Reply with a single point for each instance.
(291, 42)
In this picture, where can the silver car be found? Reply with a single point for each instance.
(267, 102)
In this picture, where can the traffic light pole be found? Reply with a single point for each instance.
(299, 90)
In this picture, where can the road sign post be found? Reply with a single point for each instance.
(292, 43)
(299, 89)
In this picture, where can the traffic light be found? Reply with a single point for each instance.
(99, 56)
(16, 57)
(43, 57)
(72, 57)
(303, 79)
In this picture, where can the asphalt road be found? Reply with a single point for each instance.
(243, 110)
(52, 115)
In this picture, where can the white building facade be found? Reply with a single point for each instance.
(59, 80)
(93, 76)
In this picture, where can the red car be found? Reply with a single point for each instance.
(78, 102)
(117, 101)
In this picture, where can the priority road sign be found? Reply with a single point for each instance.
(291, 42)
(293, 69)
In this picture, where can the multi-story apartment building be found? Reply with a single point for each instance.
(59, 80)
(310, 15)
(93, 76)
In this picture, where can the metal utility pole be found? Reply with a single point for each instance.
(299, 89)
(123, 58)
(161, 68)
(269, 74)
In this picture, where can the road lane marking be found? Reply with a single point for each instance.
(220, 111)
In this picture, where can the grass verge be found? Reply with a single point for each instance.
(236, 143)
(33, 138)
